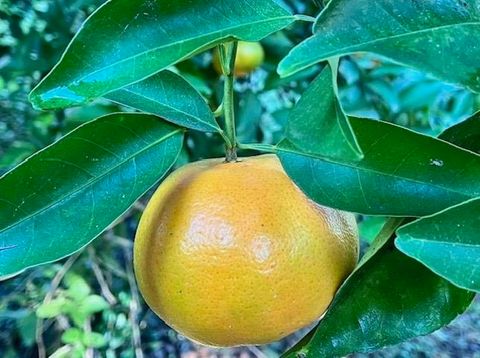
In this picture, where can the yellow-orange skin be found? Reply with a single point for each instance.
(234, 253)
(250, 56)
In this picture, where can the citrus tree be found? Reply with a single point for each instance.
(421, 271)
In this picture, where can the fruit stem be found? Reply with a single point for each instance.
(228, 52)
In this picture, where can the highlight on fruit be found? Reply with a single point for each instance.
(234, 253)
(202, 171)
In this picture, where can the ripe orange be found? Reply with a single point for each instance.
(250, 55)
(234, 253)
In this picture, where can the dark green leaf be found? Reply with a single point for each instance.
(125, 41)
(448, 243)
(248, 111)
(403, 173)
(389, 299)
(465, 134)
(17, 152)
(169, 96)
(27, 327)
(60, 199)
(370, 226)
(317, 124)
(439, 37)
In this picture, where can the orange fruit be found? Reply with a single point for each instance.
(234, 253)
(250, 56)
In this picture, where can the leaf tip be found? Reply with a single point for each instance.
(55, 98)
(283, 69)
(34, 100)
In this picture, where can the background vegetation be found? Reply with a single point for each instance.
(88, 305)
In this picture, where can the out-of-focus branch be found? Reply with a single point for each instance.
(134, 305)
(48, 297)
(87, 327)
(101, 278)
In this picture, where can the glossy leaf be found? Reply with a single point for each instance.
(317, 124)
(125, 41)
(403, 173)
(448, 243)
(60, 199)
(389, 299)
(436, 36)
(370, 312)
(169, 96)
(369, 227)
(465, 134)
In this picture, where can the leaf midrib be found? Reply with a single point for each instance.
(217, 129)
(352, 48)
(408, 238)
(90, 182)
(405, 34)
(183, 41)
(374, 171)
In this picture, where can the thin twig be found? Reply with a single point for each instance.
(101, 278)
(257, 352)
(134, 305)
(48, 297)
(139, 206)
(119, 221)
(62, 321)
(87, 327)
(122, 241)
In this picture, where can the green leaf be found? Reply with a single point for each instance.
(403, 173)
(72, 336)
(78, 288)
(317, 124)
(17, 152)
(94, 304)
(248, 110)
(448, 243)
(465, 134)
(80, 311)
(94, 340)
(438, 37)
(169, 96)
(126, 41)
(389, 299)
(52, 308)
(27, 328)
(370, 227)
(60, 199)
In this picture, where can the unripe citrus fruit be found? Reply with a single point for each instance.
(250, 55)
(234, 253)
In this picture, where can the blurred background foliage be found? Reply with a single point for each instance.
(88, 305)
